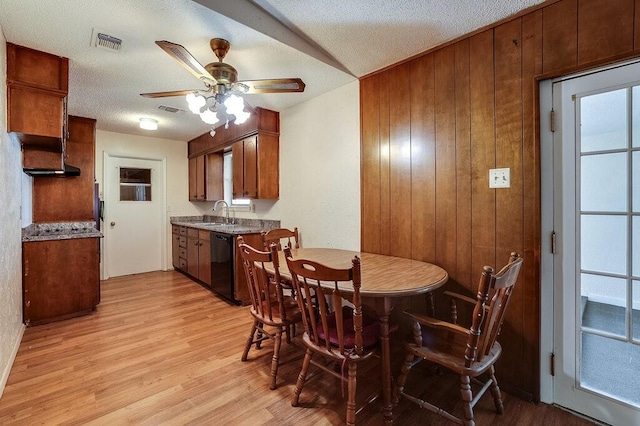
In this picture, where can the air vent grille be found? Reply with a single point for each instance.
(170, 109)
(106, 41)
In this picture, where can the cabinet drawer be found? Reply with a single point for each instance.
(175, 229)
(183, 242)
(193, 232)
(183, 230)
(182, 264)
(182, 252)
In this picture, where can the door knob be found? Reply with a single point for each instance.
(113, 224)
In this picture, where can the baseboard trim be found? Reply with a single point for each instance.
(12, 358)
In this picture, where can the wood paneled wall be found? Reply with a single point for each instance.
(434, 125)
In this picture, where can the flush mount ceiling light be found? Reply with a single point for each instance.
(148, 124)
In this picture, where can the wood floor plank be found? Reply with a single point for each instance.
(162, 350)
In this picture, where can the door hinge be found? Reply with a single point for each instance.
(553, 242)
(553, 364)
(553, 121)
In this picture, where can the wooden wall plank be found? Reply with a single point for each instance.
(529, 281)
(385, 166)
(400, 160)
(605, 28)
(370, 164)
(509, 204)
(462, 273)
(423, 189)
(445, 112)
(483, 150)
(560, 36)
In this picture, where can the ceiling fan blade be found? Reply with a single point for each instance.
(182, 55)
(273, 85)
(167, 94)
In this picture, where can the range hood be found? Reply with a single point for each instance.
(66, 171)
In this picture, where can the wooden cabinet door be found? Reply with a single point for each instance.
(175, 246)
(192, 256)
(237, 176)
(61, 279)
(71, 198)
(193, 180)
(200, 174)
(214, 176)
(204, 257)
(240, 279)
(250, 164)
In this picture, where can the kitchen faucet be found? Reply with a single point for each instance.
(215, 206)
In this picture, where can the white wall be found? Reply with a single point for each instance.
(320, 170)
(177, 170)
(11, 327)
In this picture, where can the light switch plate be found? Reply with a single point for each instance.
(500, 178)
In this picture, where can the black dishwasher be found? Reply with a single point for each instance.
(222, 265)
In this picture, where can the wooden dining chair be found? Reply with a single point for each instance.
(279, 236)
(336, 330)
(468, 352)
(269, 306)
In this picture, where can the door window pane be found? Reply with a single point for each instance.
(603, 182)
(603, 240)
(603, 121)
(635, 116)
(604, 301)
(635, 313)
(636, 181)
(135, 184)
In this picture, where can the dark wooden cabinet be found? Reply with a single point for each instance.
(179, 247)
(70, 198)
(240, 280)
(37, 87)
(205, 177)
(256, 167)
(61, 279)
(199, 255)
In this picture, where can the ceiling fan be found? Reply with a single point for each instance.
(220, 80)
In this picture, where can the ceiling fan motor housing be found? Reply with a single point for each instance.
(223, 73)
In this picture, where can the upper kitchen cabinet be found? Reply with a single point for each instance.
(37, 87)
(71, 198)
(255, 149)
(205, 177)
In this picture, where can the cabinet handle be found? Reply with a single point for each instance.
(28, 303)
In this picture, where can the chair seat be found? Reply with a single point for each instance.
(291, 309)
(370, 330)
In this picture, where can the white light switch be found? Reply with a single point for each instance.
(500, 178)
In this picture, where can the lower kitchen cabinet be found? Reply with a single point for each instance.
(199, 254)
(61, 279)
(241, 289)
(179, 247)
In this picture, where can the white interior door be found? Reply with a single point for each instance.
(596, 267)
(134, 215)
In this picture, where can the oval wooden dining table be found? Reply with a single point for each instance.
(384, 280)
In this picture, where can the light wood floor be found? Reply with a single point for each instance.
(160, 349)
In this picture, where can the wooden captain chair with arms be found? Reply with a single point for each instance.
(269, 307)
(336, 331)
(468, 352)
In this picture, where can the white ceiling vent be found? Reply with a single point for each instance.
(105, 41)
(170, 109)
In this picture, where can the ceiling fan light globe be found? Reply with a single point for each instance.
(234, 105)
(195, 102)
(209, 117)
(241, 117)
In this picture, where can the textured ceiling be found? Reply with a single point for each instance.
(326, 43)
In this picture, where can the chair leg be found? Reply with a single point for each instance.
(249, 340)
(276, 357)
(467, 397)
(259, 337)
(495, 391)
(301, 377)
(351, 395)
(404, 373)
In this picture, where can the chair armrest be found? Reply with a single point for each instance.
(460, 297)
(430, 322)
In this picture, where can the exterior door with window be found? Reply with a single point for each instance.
(134, 212)
(596, 197)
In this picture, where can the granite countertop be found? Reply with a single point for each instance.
(217, 224)
(60, 231)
